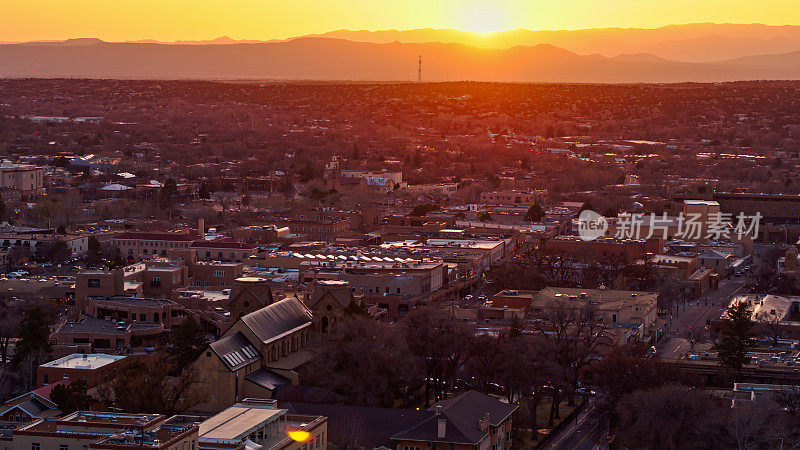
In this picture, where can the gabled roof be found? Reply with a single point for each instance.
(278, 319)
(428, 430)
(263, 297)
(33, 407)
(235, 351)
(42, 393)
(340, 295)
(476, 405)
(463, 415)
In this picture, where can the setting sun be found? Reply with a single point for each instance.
(482, 18)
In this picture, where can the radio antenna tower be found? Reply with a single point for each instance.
(419, 70)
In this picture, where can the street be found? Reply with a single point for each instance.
(580, 434)
(692, 321)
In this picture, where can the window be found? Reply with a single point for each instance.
(93, 282)
(35, 446)
(44, 379)
(219, 273)
(63, 447)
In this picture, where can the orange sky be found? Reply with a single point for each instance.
(168, 20)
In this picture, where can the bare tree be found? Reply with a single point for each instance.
(574, 333)
(26, 369)
(226, 199)
(789, 398)
(441, 344)
(347, 431)
(148, 386)
(771, 326)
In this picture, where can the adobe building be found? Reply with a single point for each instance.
(93, 369)
(107, 430)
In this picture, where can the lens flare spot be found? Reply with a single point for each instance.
(299, 435)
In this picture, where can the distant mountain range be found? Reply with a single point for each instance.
(697, 52)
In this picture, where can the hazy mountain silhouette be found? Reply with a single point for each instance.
(699, 42)
(337, 59)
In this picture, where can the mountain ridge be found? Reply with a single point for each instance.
(317, 58)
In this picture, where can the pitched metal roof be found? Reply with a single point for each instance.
(375, 426)
(267, 379)
(235, 351)
(278, 319)
(463, 415)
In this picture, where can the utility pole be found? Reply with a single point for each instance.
(419, 70)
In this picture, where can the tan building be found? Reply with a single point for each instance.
(632, 309)
(25, 179)
(257, 354)
(328, 301)
(144, 245)
(249, 294)
(514, 197)
(263, 424)
(223, 250)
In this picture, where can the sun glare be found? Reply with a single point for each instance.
(299, 435)
(484, 19)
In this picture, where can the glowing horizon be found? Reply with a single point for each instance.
(30, 20)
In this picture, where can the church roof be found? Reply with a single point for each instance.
(278, 319)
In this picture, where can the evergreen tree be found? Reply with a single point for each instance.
(169, 191)
(73, 397)
(204, 191)
(34, 335)
(737, 338)
(94, 250)
(535, 213)
(187, 342)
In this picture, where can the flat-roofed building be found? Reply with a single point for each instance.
(514, 197)
(634, 309)
(144, 245)
(223, 250)
(94, 369)
(624, 251)
(107, 430)
(263, 424)
(21, 180)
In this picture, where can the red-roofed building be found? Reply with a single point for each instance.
(30, 406)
